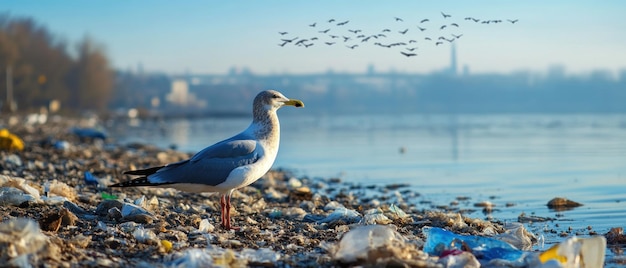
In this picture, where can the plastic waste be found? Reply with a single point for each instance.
(193, 257)
(9, 141)
(375, 216)
(260, 256)
(205, 226)
(577, 252)
(62, 145)
(20, 237)
(398, 212)
(342, 214)
(484, 248)
(10, 196)
(89, 133)
(370, 242)
(460, 259)
(144, 236)
(90, 179)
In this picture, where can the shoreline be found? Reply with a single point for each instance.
(286, 221)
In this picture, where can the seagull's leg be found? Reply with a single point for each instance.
(228, 225)
(224, 210)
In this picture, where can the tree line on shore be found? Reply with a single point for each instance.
(42, 68)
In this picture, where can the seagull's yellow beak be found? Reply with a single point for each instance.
(295, 103)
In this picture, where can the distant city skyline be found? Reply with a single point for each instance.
(213, 37)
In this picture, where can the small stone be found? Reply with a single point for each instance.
(561, 203)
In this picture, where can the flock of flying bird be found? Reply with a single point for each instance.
(337, 33)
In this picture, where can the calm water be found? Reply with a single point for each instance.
(521, 159)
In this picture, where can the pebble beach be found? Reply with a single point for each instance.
(57, 211)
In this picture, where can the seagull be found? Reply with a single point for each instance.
(352, 46)
(228, 165)
(282, 33)
(343, 23)
(404, 32)
(324, 31)
(331, 20)
(424, 20)
(445, 15)
(421, 29)
(313, 25)
(408, 54)
(289, 40)
(398, 19)
(513, 21)
(442, 27)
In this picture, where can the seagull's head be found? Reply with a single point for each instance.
(272, 100)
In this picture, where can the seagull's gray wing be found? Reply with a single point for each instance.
(212, 165)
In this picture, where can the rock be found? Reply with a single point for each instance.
(561, 203)
(54, 220)
(104, 207)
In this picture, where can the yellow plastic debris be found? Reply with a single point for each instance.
(9, 141)
(167, 245)
(577, 252)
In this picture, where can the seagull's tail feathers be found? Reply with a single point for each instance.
(143, 172)
(142, 181)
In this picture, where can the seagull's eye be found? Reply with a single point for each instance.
(275, 97)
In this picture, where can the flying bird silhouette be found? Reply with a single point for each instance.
(421, 29)
(408, 54)
(457, 36)
(313, 25)
(289, 40)
(283, 33)
(442, 27)
(404, 32)
(330, 43)
(324, 31)
(331, 20)
(352, 46)
(445, 15)
(398, 19)
(454, 24)
(343, 23)
(513, 21)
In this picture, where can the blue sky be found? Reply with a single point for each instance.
(213, 36)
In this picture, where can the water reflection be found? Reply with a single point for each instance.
(179, 132)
